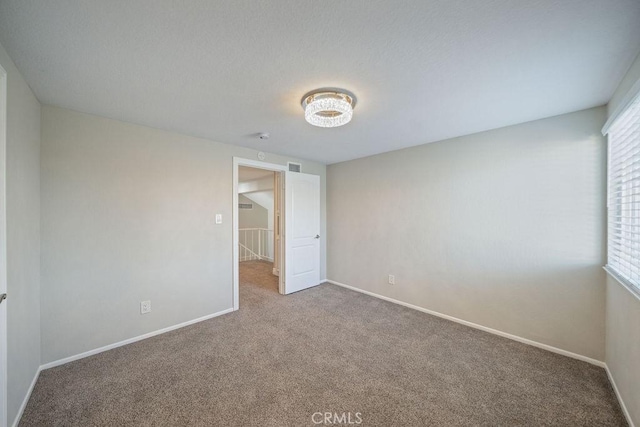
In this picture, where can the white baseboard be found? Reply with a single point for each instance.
(619, 396)
(132, 340)
(476, 326)
(229, 310)
(505, 335)
(105, 348)
(16, 421)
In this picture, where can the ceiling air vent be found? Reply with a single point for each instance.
(245, 205)
(294, 167)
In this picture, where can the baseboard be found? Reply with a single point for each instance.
(16, 421)
(476, 326)
(132, 340)
(382, 297)
(619, 396)
(106, 348)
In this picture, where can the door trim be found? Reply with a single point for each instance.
(3, 246)
(237, 162)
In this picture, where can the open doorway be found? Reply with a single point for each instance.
(295, 236)
(258, 229)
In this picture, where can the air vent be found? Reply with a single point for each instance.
(245, 205)
(294, 167)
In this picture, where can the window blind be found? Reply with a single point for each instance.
(624, 196)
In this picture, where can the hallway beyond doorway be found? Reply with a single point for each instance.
(257, 274)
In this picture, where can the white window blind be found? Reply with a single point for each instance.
(624, 197)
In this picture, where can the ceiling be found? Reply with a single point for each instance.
(423, 70)
(246, 174)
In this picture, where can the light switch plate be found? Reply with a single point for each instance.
(218, 218)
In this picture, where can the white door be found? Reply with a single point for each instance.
(301, 231)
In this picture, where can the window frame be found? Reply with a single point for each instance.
(633, 102)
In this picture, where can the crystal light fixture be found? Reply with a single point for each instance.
(328, 108)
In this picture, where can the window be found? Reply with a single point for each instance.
(624, 197)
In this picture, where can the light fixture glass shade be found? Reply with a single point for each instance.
(328, 109)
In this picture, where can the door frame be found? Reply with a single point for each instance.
(237, 162)
(3, 246)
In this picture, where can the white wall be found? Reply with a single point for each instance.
(623, 308)
(23, 236)
(266, 200)
(258, 217)
(259, 242)
(128, 215)
(260, 192)
(503, 228)
(623, 344)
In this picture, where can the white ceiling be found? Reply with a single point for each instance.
(423, 70)
(246, 174)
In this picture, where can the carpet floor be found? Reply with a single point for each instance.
(281, 359)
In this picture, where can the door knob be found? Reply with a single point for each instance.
(3, 297)
(317, 236)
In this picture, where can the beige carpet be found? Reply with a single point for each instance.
(280, 359)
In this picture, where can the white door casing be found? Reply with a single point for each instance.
(3, 248)
(237, 162)
(301, 231)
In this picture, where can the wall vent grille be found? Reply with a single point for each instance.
(245, 205)
(294, 167)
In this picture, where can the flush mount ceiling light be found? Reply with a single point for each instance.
(328, 108)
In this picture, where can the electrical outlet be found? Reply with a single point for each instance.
(145, 307)
(392, 279)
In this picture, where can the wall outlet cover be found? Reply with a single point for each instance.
(145, 307)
